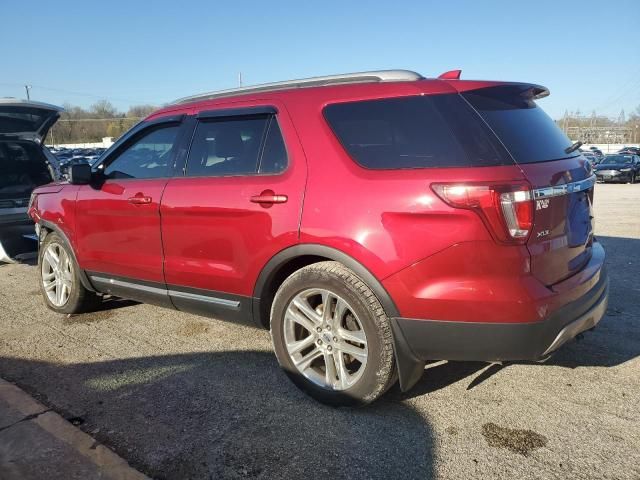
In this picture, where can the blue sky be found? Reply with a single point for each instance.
(587, 52)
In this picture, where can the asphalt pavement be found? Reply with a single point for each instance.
(179, 396)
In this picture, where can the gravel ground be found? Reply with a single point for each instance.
(180, 396)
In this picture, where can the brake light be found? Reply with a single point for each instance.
(32, 201)
(507, 210)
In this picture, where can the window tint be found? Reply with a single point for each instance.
(618, 159)
(151, 156)
(529, 134)
(274, 154)
(23, 119)
(228, 146)
(415, 132)
(236, 146)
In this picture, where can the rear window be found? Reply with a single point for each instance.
(528, 133)
(618, 159)
(22, 119)
(415, 132)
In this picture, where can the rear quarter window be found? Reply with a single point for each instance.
(527, 132)
(414, 132)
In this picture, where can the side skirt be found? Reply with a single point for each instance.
(208, 303)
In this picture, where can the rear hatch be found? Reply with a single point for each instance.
(562, 234)
(26, 120)
(24, 165)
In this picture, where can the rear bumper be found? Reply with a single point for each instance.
(613, 177)
(419, 340)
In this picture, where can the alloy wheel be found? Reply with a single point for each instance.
(57, 274)
(325, 339)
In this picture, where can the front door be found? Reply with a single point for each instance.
(118, 219)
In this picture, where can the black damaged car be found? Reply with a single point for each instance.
(618, 168)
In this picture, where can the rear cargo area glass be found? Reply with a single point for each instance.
(525, 129)
(429, 131)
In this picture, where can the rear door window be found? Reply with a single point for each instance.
(415, 132)
(231, 146)
(527, 132)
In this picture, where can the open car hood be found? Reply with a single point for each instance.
(26, 120)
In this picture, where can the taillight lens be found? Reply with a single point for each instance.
(507, 210)
(32, 200)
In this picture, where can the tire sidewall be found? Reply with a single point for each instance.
(366, 389)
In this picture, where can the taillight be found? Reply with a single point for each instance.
(507, 210)
(32, 201)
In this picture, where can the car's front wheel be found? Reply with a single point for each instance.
(332, 336)
(60, 281)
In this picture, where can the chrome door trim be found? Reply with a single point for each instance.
(107, 282)
(206, 299)
(133, 286)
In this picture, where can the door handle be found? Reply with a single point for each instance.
(268, 198)
(140, 199)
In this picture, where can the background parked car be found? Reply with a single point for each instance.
(630, 150)
(618, 168)
(591, 157)
(597, 152)
(24, 165)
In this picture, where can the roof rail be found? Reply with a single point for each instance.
(359, 77)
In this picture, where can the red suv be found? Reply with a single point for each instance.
(372, 221)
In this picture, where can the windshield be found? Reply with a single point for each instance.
(617, 159)
(529, 134)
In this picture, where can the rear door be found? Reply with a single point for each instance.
(238, 204)
(561, 241)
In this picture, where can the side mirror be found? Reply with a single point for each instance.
(80, 174)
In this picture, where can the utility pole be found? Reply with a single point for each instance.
(239, 79)
(27, 88)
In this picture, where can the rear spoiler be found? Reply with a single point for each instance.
(529, 91)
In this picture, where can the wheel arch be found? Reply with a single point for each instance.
(46, 228)
(293, 258)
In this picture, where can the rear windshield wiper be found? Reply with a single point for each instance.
(573, 147)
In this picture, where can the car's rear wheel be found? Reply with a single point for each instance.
(331, 335)
(60, 281)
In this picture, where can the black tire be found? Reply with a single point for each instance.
(379, 371)
(633, 178)
(80, 299)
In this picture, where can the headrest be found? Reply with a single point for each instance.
(228, 143)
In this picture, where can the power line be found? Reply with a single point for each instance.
(81, 94)
(112, 119)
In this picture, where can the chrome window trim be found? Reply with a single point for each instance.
(559, 190)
